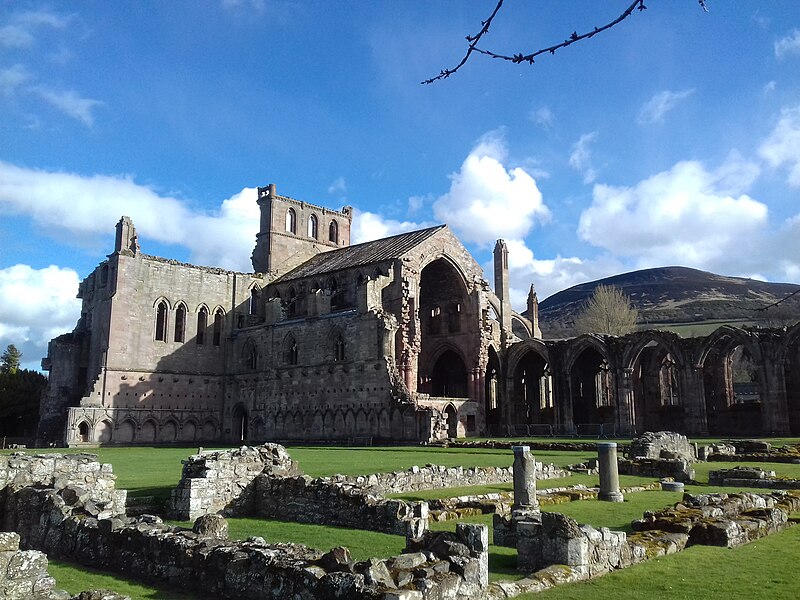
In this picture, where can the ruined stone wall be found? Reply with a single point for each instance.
(678, 469)
(438, 476)
(88, 479)
(23, 573)
(222, 482)
(661, 444)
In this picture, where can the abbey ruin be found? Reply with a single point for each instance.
(398, 339)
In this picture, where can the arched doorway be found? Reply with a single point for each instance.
(591, 392)
(83, 432)
(239, 424)
(449, 376)
(656, 387)
(533, 390)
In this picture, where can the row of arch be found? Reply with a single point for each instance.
(251, 357)
(730, 382)
(148, 431)
(312, 226)
(395, 424)
(176, 331)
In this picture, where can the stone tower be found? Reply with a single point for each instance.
(533, 313)
(501, 286)
(292, 231)
(126, 242)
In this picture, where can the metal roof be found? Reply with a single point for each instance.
(359, 255)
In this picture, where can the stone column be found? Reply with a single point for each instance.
(525, 506)
(609, 472)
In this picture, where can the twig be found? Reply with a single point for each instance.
(529, 58)
(782, 300)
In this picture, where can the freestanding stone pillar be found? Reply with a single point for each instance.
(525, 503)
(609, 472)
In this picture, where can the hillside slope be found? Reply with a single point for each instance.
(667, 295)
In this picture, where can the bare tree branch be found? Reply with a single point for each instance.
(784, 299)
(529, 58)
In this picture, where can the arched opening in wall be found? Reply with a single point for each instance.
(533, 391)
(520, 329)
(188, 431)
(161, 321)
(83, 432)
(312, 227)
(255, 295)
(791, 369)
(180, 323)
(494, 409)
(442, 298)
(202, 325)
(209, 432)
(147, 434)
(290, 351)
(732, 384)
(103, 432)
(452, 421)
(657, 394)
(291, 221)
(449, 376)
(291, 303)
(337, 294)
(333, 232)
(104, 276)
(218, 319)
(125, 432)
(250, 356)
(338, 348)
(239, 423)
(168, 432)
(591, 391)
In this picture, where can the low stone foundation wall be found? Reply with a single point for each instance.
(662, 444)
(89, 479)
(752, 478)
(678, 469)
(320, 501)
(435, 566)
(23, 573)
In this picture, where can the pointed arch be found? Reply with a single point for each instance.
(255, 299)
(219, 318)
(162, 310)
(291, 354)
(333, 232)
(202, 324)
(180, 322)
(291, 221)
(313, 226)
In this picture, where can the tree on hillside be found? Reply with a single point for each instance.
(608, 311)
(9, 361)
(528, 57)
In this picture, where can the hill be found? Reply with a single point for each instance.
(673, 295)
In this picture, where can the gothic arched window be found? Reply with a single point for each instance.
(202, 324)
(291, 221)
(218, 316)
(161, 321)
(333, 232)
(312, 226)
(180, 323)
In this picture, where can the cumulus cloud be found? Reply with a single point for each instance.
(782, 146)
(35, 306)
(680, 216)
(70, 103)
(788, 45)
(660, 104)
(368, 226)
(487, 201)
(580, 158)
(19, 30)
(88, 205)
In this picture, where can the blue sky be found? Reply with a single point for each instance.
(672, 139)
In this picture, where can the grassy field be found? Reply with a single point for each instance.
(695, 573)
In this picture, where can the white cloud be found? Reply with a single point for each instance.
(92, 205)
(542, 116)
(681, 216)
(660, 104)
(70, 103)
(35, 306)
(782, 147)
(13, 77)
(368, 226)
(19, 31)
(487, 201)
(788, 45)
(338, 186)
(580, 158)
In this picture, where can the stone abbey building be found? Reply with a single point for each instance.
(397, 339)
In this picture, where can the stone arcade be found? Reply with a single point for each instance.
(396, 339)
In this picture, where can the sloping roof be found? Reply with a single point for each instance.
(359, 255)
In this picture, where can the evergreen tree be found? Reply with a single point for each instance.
(9, 361)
